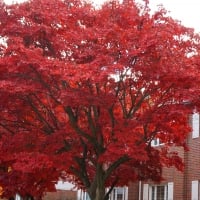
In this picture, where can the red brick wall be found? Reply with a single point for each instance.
(182, 181)
(192, 165)
(61, 195)
(175, 176)
(133, 191)
(170, 175)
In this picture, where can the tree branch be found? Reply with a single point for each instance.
(41, 118)
(115, 165)
(82, 171)
(111, 189)
(73, 122)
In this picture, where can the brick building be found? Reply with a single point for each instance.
(171, 188)
(177, 185)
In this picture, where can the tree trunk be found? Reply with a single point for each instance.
(100, 193)
(97, 191)
(28, 197)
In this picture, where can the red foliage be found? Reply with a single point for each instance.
(84, 91)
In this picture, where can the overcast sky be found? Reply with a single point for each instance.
(187, 11)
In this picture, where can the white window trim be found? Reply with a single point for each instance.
(168, 193)
(195, 190)
(145, 191)
(158, 142)
(156, 186)
(113, 194)
(82, 195)
(195, 125)
(17, 197)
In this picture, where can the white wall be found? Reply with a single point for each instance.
(64, 186)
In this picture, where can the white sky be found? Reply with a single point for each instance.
(187, 11)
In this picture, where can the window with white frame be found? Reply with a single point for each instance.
(156, 142)
(195, 125)
(119, 193)
(158, 192)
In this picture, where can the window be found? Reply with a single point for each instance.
(156, 142)
(119, 193)
(195, 125)
(158, 192)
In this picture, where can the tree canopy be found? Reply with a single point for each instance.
(84, 91)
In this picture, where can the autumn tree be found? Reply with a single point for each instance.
(85, 90)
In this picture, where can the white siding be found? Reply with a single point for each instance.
(195, 190)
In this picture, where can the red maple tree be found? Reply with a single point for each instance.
(84, 91)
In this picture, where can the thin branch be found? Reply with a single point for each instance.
(115, 165)
(53, 117)
(138, 105)
(111, 189)
(44, 83)
(73, 122)
(90, 121)
(38, 113)
(112, 118)
(82, 171)
(8, 129)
